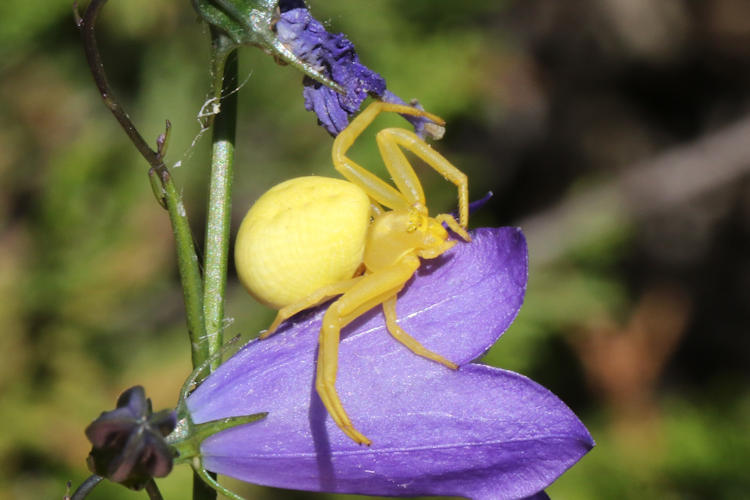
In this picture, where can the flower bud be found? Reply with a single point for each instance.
(128, 442)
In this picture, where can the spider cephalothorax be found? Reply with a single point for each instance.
(309, 239)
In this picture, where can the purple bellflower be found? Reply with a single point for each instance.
(479, 432)
(333, 55)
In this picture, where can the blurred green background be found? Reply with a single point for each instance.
(614, 132)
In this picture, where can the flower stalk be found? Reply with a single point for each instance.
(86, 487)
(224, 61)
(187, 260)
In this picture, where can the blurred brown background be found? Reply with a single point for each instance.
(616, 133)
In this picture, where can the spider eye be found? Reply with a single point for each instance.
(416, 221)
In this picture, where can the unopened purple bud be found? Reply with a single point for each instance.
(128, 442)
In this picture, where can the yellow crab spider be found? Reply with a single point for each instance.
(310, 239)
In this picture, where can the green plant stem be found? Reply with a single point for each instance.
(201, 490)
(170, 196)
(224, 71)
(220, 190)
(153, 491)
(189, 270)
(86, 487)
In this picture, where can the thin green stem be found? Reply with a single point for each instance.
(224, 61)
(153, 491)
(220, 190)
(201, 489)
(86, 487)
(170, 196)
(189, 270)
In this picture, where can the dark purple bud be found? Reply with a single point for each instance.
(128, 442)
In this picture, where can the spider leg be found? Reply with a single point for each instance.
(398, 166)
(375, 187)
(403, 174)
(389, 308)
(315, 298)
(372, 290)
(454, 226)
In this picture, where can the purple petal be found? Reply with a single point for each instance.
(457, 305)
(480, 432)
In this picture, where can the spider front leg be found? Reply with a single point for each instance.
(372, 290)
(390, 141)
(312, 300)
(376, 188)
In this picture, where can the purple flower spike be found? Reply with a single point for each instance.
(479, 432)
(334, 56)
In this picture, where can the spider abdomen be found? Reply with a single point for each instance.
(300, 236)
